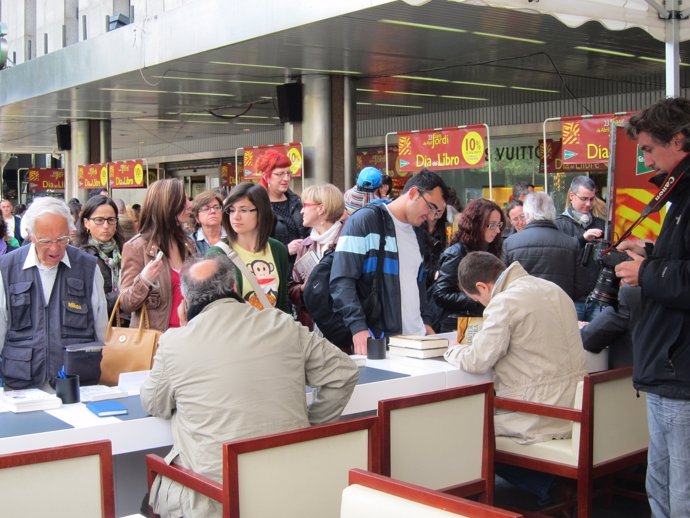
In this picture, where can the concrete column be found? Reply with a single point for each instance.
(349, 107)
(316, 128)
(105, 142)
(79, 154)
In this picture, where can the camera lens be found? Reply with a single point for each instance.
(605, 292)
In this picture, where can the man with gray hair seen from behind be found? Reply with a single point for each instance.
(231, 373)
(543, 250)
(578, 221)
(51, 295)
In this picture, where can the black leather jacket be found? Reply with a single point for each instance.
(447, 293)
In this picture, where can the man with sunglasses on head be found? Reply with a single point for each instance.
(403, 294)
(51, 295)
(578, 221)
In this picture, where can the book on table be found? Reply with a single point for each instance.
(100, 393)
(27, 400)
(106, 408)
(422, 354)
(418, 342)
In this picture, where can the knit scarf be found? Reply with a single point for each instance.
(110, 255)
(581, 218)
(325, 240)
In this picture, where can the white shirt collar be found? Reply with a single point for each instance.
(32, 260)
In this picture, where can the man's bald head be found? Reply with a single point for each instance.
(207, 280)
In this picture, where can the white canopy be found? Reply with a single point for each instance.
(663, 19)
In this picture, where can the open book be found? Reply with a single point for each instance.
(305, 264)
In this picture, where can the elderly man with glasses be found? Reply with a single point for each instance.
(51, 295)
(578, 221)
(403, 306)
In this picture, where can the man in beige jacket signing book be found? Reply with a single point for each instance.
(530, 338)
(234, 372)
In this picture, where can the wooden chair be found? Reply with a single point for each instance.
(609, 434)
(376, 496)
(296, 474)
(73, 481)
(441, 440)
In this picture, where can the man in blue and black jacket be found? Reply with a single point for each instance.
(403, 293)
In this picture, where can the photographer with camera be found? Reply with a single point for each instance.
(578, 221)
(661, 340)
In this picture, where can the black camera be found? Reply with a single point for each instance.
(605, 292)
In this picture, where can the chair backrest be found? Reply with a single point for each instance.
(619, 416)
(441, 439)
(74, 481)
(297, 474)
(376, 496)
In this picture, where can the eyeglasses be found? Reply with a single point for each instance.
(60, 241)
(495, 225)
(242, 210)
(281, 175)
(212, 208)
(584, 199)
(102, 221)
(435, 211)
(517, 219)
(306, 204)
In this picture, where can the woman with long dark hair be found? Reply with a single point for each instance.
(248, 221)
(479, 229)
(146, 278)
(98, 233)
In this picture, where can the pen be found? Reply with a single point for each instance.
(371, 333)
(61, 373)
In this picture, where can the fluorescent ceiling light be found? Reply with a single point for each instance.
(422, 26)
(472, 83)
(399, 106)
(363, 103)
(28, 117)
(409, 93)
(366, 90)
(214, 80)
(208, 122)
(204, 93)
(254, 124)
(244, 65)
(157, 120)
(135, 90)
(606, 51)
(659, 60)
(420, 78)
(534, 89)
(70, 110)
(346, 72)
(511, 38)
(464, 98)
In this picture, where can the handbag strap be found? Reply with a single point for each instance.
(115, 315)
(260, 294)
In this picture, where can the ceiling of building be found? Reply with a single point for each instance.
(402, 62)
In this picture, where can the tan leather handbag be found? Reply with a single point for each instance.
(127, 349)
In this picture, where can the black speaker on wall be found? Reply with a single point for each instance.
(64, 137)
(289, 102)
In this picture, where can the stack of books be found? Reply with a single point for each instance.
(27, 400)
(429, 346)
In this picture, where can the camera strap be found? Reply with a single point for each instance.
(658, 201)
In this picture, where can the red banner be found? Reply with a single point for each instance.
(92, 176)
(252, 154)
(555, 164)
(228, 177)
(633, 192)
(376, 157)
(127, 174)
(45, 179)
(447, 148)
(586, 140)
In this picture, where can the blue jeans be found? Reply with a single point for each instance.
(535, 482)
(585, 310)
(668, 458)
